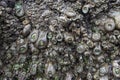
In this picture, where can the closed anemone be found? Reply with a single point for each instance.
(19, 10)
(33, 36)
(22, 49)
(110, 25)
(49, 35)
(85, 9)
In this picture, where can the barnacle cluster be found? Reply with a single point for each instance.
(60, 40)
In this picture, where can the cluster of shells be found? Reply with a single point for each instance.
(60, 39)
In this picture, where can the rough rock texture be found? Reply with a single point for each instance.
(59, 39)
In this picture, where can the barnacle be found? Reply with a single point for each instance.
(96, 36)
(85, 9)
(59, 40)
(109, 25)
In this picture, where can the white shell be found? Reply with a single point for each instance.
(81, 48)
(69, 12)
(68, 37)
(97, 50)
(96, 36)
(104, 69)
(85, 9)
(109, 25)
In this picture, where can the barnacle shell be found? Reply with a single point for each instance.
(59, 37)
(68, 37)
(85, 9)
(116, 32)
(89, 76)
(113, 39)
(81, 47)
(49, 35)
(19, 10)
(90, 43)
(59, 40)
(101, 58)
(97, 50)
(25, 22)
(118, 37)
(104, 69)
(117, 19)
(96, 36)
(69, 12)
(109, 25)
(116, 68)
